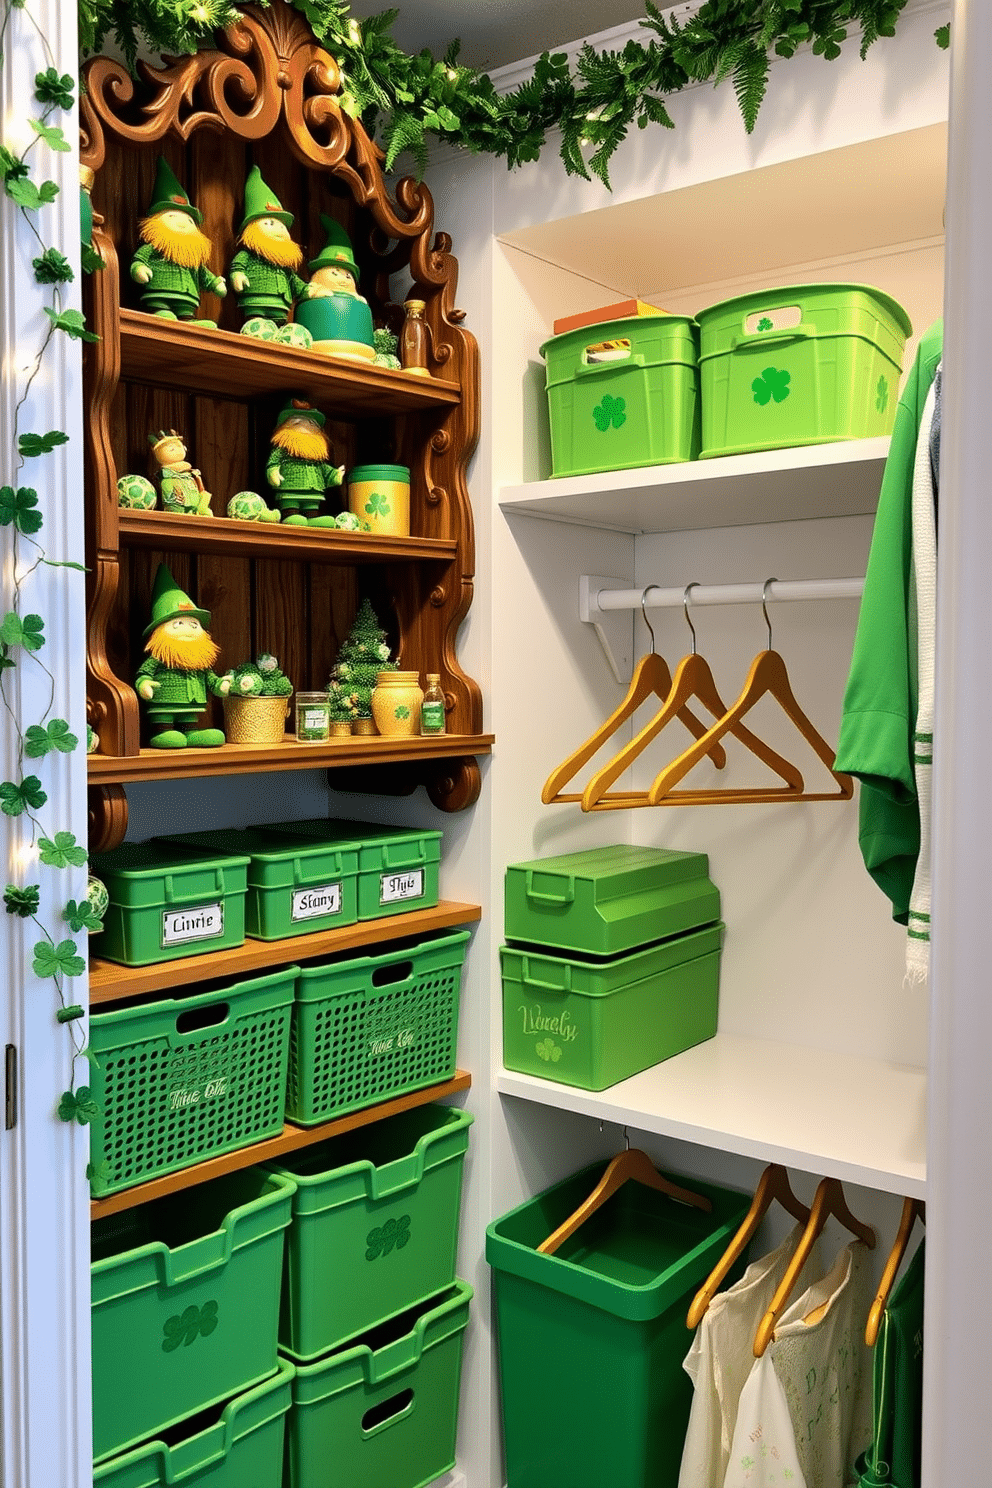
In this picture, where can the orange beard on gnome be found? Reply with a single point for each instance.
(195, 653)
(282, 252)
(302, 439)
(191, 250)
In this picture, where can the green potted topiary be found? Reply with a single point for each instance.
(363, 655)
(255, 709)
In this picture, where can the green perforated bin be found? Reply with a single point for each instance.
(623, 394)
(377, 1210)
(592, 1339)
(807, 364)
(593, 1022)
(294, 888)
(187, 1078)
(240, 1446)
(397, 866)
(368, 1028)
(166, 902)
(382, 1412)
(185, 1303)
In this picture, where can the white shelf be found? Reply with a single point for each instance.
(817, 480)
(802, 1107)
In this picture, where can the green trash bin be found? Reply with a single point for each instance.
(592, 1339)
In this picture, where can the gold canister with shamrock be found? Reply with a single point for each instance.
(379, 496)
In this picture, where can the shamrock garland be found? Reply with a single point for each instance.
(408, 98)
(22, 633)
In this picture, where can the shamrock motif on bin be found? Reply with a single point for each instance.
(378, 502)
(882, 395)
(772, 383)
(186, 1327)
(764, 324)
(610, 411)
(548, 1050)
(380, 1241)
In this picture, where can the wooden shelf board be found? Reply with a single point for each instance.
(111, 983)
(801, 1107)
(239, 759)
(291, 1139)
(173, 533)
(788, 485)
(167, 353)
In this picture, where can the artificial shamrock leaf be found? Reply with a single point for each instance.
(942, 36)
(81, 916)
(19, 507)
(771, 384)
(378, 502)
(97, 1172)
(55, 960)
(61, 851)
(612, 411)
(26, 632)
(16, 798)
(78, 1105)
(22, 190)
(39, 740)
(30, 445)
(22, 901)
(51, 134)
(11, 167)
(72, 322)
(50, 88)
(89, 259)
(70, 1014)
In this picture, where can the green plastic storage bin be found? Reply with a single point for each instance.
(294, 888)
(166, 902)
(397, 866)
(383, 1412)
(592, 1339)
(592, 1023)
(375, 1226)
(368, 1028)
(623, 394)
(608, 900)
(242, 1448)
(188, 1078)
(173, 1328)
(807, 364)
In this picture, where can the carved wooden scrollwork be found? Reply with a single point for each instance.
(107, 810)
(456, 784)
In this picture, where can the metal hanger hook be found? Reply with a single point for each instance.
(685, 606)
(644, 592)
(764, 607)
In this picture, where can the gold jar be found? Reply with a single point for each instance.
(396, 700)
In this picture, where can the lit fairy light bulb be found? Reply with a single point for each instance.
(451, 74)
(354, 32)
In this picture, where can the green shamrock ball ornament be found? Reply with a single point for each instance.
(347, 522)
(295, 335)
(97, 896)
(136, 493)
(260, 328)
(248, 506)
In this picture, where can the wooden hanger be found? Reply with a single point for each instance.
(910, 1209)
(768, 674)
(651, 678)
(772, 1185)
(693, 679)
(631, 1163)
(829, 1199)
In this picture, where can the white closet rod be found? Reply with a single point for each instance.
(721, 594)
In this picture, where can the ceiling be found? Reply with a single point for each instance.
(496, 32)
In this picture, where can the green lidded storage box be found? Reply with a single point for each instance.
(382, 1412)
(591, 1023)
(375, 1226)
(243, 1448)
(173, 1329)
(368, 1028)
(623, 393)
(166, 902)
(397, 866)
(807, 364)
(187, 1078)
(592, 1339)
(607, 900)
(294, 888)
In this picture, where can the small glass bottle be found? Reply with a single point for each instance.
(413, 339)
(432, 708)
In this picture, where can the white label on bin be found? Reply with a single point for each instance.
(396, 886)
(309, 904)
(205, 922)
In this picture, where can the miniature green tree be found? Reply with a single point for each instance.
(261, 678)
(363, 655)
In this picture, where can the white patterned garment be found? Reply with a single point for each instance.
(805, 1411)
(721, 1357)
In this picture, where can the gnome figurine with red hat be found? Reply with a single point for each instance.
(299, 468)
(263, 271)
(173, 681)
(171, 264)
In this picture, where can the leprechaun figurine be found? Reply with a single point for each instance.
(299, 467)
(171, 264)
(263, 271)
(335, 314)
(173, 681)
(182, 487)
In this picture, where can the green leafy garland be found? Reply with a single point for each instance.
(22, 635)
(409, 98)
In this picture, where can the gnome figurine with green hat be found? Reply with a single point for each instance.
(173, 682)
(171, 264)
(335, 314)
(263, 271)
(299, 468)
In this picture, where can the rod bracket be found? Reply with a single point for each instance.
(615, 628)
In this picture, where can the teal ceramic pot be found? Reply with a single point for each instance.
(340, 324)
